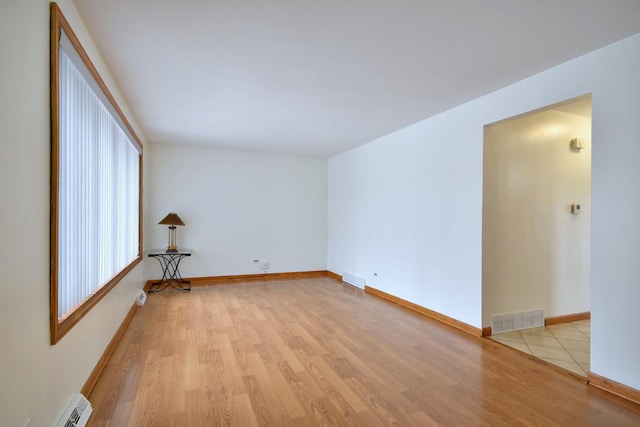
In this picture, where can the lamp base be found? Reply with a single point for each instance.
(172, 249)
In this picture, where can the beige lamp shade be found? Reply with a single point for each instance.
(171, 219)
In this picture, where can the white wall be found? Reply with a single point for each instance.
(409, 205)
(536, 254)
(407, 208)
(37, 379)
(237, 207)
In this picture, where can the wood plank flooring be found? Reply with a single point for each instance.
(316, 352)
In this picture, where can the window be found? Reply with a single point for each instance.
(96, 161)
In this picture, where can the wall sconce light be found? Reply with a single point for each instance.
(576, 144)
(172, 219)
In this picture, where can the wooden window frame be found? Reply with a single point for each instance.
(61, 325)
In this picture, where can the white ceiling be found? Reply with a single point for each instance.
(319, 77)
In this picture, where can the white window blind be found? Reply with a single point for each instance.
(98, 190)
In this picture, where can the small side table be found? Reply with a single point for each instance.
(169, 262)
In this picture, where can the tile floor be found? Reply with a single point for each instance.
(566, 345)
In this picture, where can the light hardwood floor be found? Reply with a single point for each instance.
(318, 352)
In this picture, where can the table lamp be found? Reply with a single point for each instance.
(172, 219)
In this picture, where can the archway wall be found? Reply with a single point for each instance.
(408, 206)
(536, 250)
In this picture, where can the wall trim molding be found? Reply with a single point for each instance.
(567, 318)
(614, 387)
(425, 311)
(486, 331)
(108, 352)
(334, 275)
(225, 280)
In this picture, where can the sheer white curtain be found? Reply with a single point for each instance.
(98, 207)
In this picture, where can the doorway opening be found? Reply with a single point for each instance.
(536, 228)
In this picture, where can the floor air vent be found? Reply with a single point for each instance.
(77, 413)
(516, 321)
(353, 279)
(141, 298)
